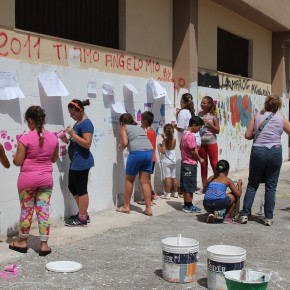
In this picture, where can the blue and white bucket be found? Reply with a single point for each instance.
(179, 259)
(222, 258)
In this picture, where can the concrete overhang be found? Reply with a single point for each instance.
(271, 14)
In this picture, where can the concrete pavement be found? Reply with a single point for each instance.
(120, 251)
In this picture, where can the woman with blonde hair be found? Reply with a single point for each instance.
(265, 129)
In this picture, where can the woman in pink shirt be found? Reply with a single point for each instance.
(36, 152)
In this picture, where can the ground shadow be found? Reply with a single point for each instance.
(158, 272)
(202, 217)
(285, 209)
(176, 204)
(136, 208)
(257, 219)
(202, 282)
(33, 242)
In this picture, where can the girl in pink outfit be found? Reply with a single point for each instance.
(36, 152)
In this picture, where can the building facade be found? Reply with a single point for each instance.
(235, 51)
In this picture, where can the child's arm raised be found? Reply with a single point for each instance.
(124, 139)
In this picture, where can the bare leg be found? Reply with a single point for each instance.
(167, 184)
(44, 246)
(233, 202)
(83, 204)
(21, 243)
(145, 184)
(187, 196)
(175, 184)
(129, 183)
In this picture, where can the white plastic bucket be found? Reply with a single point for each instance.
(179, 259)
(222, 258)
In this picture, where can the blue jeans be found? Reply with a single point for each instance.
(265, 164)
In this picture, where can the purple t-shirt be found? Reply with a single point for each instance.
(271, 133)
(36, 170)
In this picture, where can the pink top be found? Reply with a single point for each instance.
(36, 170)
(187, 144)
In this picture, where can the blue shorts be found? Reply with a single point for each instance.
(139, 161)
(188, 176)
(217, 204)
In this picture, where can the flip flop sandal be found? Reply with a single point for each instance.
(121, 209)
(44, 253)
(149, 214)
(18, 249)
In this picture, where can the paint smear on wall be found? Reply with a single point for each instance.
(241, 110)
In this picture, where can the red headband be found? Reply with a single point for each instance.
(76, 105)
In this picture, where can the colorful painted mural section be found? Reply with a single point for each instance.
(235, 110)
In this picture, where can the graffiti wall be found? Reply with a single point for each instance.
(223, 81)
(235, 110)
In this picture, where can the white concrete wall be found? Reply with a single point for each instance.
(106, 179)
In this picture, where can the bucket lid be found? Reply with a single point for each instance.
(226, 254)
(63, 266)
(180, 244)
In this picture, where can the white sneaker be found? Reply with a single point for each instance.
(176, 195)
(165, 195)
(268, 222)
(242, 219)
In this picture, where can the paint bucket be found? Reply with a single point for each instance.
(179, 259)
(256, 281)
(222, 258)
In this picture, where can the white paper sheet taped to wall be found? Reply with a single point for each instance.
(9, 86)
(52, 85)
(157, 90)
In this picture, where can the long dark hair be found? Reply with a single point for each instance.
(188, 103)
(127, 119)
(37, 114)
(212, 108)
(221, 167)
(78, 105)
(168, 131)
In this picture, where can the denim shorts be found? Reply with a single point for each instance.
(139, 161)
(217, 204)
(188, 176)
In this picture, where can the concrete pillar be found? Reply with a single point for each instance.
(185, 32)
(7, 13)
(280, 62)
